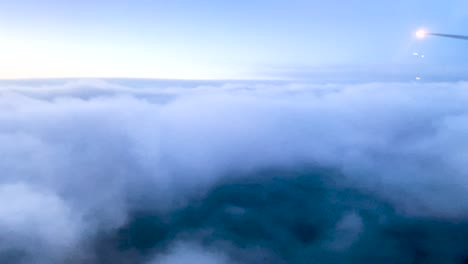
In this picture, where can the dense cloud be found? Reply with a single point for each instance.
(240, 172)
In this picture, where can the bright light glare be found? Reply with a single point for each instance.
(421, 33)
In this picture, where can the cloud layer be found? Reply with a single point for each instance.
(237, 172)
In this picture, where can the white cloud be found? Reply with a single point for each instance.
(87, 148)
(38, 223)
(187, 253)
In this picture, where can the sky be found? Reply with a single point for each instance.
(244, 39)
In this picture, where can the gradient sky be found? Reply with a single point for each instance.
(208, 39)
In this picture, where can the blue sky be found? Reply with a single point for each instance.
(242, 39)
